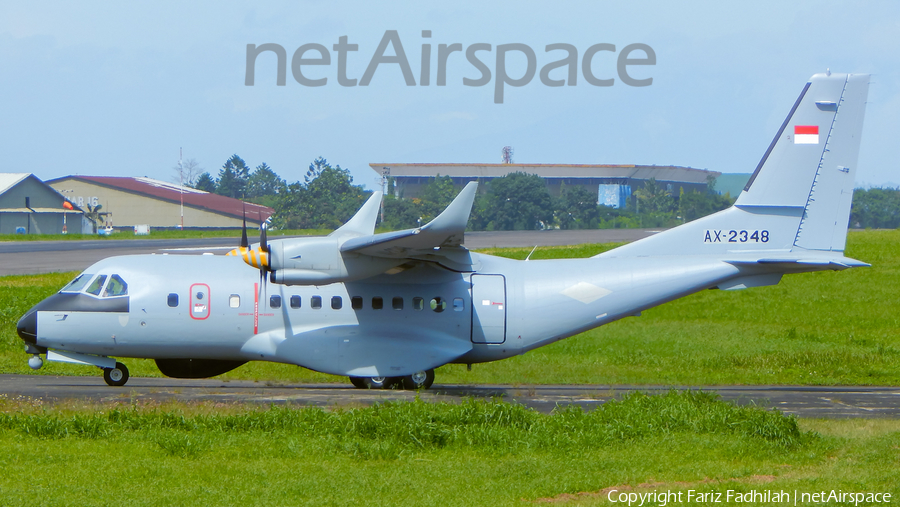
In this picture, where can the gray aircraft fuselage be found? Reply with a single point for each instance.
(508, 307)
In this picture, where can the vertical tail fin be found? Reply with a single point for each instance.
(811, 163)
(799, 196)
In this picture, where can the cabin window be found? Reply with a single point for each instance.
(356, 303)
(96, 285)
(458, 304)
(438, 304)
(316, 302)
(275, 301)
(397, 303)
(78, 283)
(336, 303)
(377, 303)
(295, 301)
(172, 300)
(234, 301)
(418, 304)
(115, 287)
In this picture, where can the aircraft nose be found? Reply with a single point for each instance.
(27, 327)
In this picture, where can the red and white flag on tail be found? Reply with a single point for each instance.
(806, 134)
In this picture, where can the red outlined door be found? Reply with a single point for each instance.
(199, 301)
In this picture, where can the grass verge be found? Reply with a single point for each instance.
(416, 453)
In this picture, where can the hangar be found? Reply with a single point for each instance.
(30, 206)
(145, 201)
(612, 183)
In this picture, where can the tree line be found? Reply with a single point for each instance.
(326, 198)
(875, 208)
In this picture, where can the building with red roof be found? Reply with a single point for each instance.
(145, 201)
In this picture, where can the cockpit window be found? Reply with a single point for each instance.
(96, 285)
(78, 283)
(115, 287)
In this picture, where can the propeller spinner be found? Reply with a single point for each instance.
(256, 257)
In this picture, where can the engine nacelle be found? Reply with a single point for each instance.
(318, 261)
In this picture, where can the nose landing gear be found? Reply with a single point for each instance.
(116, 376)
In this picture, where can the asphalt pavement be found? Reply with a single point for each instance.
(803, 401)
(32, 257)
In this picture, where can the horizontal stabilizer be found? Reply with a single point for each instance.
(801, 264)
(445, 231)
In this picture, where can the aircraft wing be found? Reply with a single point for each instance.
(441, 237)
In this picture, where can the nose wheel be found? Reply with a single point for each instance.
(116, 376)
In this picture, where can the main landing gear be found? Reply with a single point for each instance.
(418, 380)
(116, 376)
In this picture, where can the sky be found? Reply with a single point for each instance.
(117, 88)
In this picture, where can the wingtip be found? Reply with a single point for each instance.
(363, 222)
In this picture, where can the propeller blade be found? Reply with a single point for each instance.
(263, 243)
(244, 242)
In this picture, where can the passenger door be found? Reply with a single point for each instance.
(488, 308)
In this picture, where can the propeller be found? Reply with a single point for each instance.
(256, 257)
(263, 259)
(244, 242)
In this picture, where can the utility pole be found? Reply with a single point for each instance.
(181, 186)
(385, 173)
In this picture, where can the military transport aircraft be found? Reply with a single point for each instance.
(387, 309)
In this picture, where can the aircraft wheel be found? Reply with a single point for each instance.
(374, 382)
(116, 376)
(418, 380)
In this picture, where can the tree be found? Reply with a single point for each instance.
(264, 185)
(577, 208)
(693, 205)
(233, 178)
(327, 200)
(95, 216)
(517, 201)
(402, 213)
(315, 168)
(187, 173)
(205, 182)
(653, 198)
(436, 195)
(877, 208)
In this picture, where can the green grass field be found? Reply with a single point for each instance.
(818, 328)
(415, 453)
(824, 328)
